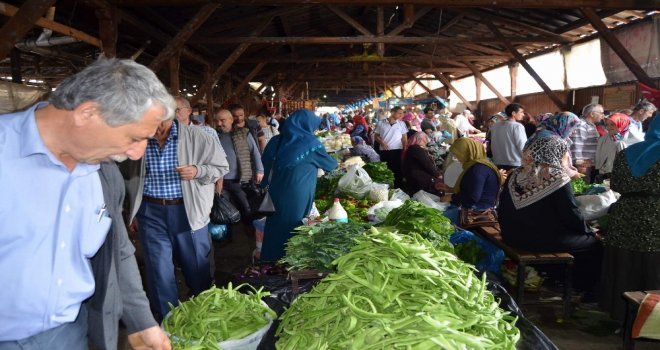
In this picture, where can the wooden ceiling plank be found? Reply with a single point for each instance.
(419, 82)
(629, 4)
(182, 36)
(286, 29)
(480, 76)
(9, 10)
(514, 23)
(249, 77)
(583, 21)
(555, 99)
(452, 22)
(108, 30)
(484, 49)
(380, 29)
(451, 87)
(20, 24)
(253, 20)
(403, 26)
(348, 19)
(208, 84)
(324, 40)
(617, 47)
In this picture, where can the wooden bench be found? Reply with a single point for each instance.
(523, 258)
(633, 301)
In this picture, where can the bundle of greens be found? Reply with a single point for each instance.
(326, 186)
(469, 251)
(579, 186)
(379, 172)
(415, 217)
(397, 292)
(315, 247)
(216, 315)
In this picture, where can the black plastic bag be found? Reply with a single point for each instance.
(223, 212)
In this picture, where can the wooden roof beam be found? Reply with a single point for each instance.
(582, 21)
(324, 40)
(249, 77)
(207, 87)
(20, 23)
(419, 82)
(479, 76)
(552, 4)
(451, 87)
(529, 28)
(555, 99)
(427, 58)
(9, 10)
(617, 47)
(348, 19)
(403, 26)
(182, 36)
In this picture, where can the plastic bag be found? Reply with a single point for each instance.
(491, 258)
(223, 212)
(430, 200)
(379, 192)
(596, 205)
(378, 212)
(399, 195)
(355, 183)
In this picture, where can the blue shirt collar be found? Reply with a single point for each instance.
(32, 143)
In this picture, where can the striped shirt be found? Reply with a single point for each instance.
(162, 180)
(584, 141)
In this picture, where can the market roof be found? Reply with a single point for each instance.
(345, 49)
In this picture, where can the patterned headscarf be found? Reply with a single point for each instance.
(542, 172)
(622, 122)
(559, 125)
(472, 152)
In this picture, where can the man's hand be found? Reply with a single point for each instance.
(133, 228)
(187, 172)
(258, 178)
(150, 338)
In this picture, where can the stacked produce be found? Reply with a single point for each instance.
(356, 209)
(579, 186)
(414, 217)
(380, 173)
(326, 186)
(315, 247)
(216, 315)
(397, 291)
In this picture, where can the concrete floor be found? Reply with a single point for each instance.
(588, 329)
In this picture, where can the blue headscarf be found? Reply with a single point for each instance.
(643, 155)
(297, 138)
(559, 125)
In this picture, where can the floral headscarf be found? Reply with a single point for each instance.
(560, 125)
(622, 122)
(542, 172)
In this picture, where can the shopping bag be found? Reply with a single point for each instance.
(223, 212)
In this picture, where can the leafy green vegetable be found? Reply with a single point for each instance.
(579, 186)
(326, 186)
(315, 247)
(379, 172)
(216, 315)
(393, 292)
(414, 217)
(469, 252)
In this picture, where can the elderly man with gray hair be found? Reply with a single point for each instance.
(584, 140)
(642, 111)
(65, 256)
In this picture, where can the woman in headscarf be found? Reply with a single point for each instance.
(610, 144)
(361, 149)
(360, 127)
(479, 183)
(632, 242)
(294, 157)
(560, 125)
(538, 211)
(419, 170)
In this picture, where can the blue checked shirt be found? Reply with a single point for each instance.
(162, 180)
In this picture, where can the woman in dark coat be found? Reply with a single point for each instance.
(538, 211)
(419, 169)
(479, 183)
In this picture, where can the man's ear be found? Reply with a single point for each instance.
(85, 113)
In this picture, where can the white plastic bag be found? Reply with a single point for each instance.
(430, 200)
(378, 212)
(594, 206)
(355, 183)
(400, 195)
(379, 192)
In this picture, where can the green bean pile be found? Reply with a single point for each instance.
(216, 315)
(398, 292)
